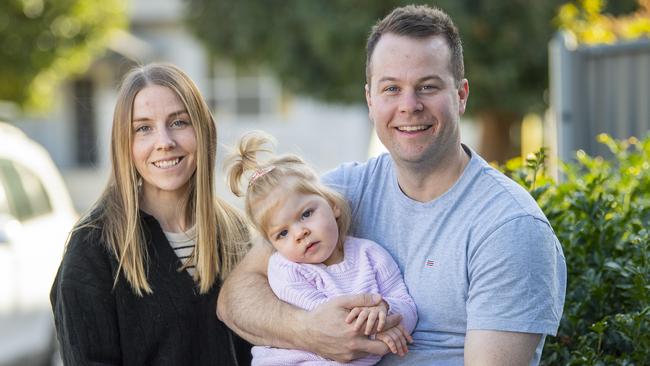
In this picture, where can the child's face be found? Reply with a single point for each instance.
(303, 228)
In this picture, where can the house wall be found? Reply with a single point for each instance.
(324, 135)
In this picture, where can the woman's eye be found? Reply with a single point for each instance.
(179, 123)
(142, 129)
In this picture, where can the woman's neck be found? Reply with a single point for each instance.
(169, 209)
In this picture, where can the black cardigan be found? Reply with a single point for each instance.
(99, 325)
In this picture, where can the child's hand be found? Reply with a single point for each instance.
(374, 318)
(396, 339)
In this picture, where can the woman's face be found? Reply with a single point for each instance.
(164, 142)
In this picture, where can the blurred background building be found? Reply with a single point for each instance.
(76, 128)
(294, 68)
(76, 131)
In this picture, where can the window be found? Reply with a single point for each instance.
(4, 201)
(84, 108)
(251, 94)
(24, 192)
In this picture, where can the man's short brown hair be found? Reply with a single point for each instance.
(419, 21)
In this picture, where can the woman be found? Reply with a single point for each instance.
(139, 280)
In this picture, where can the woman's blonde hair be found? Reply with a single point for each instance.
(221, 233)
(263, 177)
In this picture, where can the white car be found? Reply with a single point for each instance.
(36, 215)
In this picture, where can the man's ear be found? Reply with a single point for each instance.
(463, 95)
(368, 101)
(367, 90)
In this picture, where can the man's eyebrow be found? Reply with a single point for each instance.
(430, 78)
(386, 78)
(420, 80)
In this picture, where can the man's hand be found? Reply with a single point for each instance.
(329, 335)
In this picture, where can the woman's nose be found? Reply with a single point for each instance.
(164, 140)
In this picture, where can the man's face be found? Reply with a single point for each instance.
(413, 99)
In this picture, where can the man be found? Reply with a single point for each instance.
(479, 258)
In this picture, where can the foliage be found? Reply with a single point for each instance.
(314, 47)
(588, 24)
(600, 213)
(317, 47)
(44, 41)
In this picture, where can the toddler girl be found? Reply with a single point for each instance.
(306, 222)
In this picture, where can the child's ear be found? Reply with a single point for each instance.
(336, 210)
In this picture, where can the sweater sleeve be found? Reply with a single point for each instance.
(293, 283)
(392, 288)
(84, 308)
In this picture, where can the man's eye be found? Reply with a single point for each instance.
(428, 87)
(391, 89)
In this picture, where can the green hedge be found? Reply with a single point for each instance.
(601, 214)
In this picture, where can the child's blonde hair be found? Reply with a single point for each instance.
(264, 177)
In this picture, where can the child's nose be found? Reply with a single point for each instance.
(302, 233)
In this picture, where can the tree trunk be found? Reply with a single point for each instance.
(499, 135)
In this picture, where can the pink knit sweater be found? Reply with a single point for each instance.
(366, 268)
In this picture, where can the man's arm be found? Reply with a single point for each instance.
(242, 296)
(498, 348)
(248, 306)
(517, 280)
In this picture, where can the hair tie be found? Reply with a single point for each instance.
(259, 173)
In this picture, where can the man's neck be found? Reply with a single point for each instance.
(428, 181)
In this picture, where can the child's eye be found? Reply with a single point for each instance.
(307, 213)
(281, 234)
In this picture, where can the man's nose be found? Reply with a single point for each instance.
(410, 102)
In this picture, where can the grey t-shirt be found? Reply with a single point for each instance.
(480, 256)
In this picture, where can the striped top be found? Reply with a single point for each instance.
(183, 245)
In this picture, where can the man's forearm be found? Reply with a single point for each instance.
(249, 307)
(499, 348)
